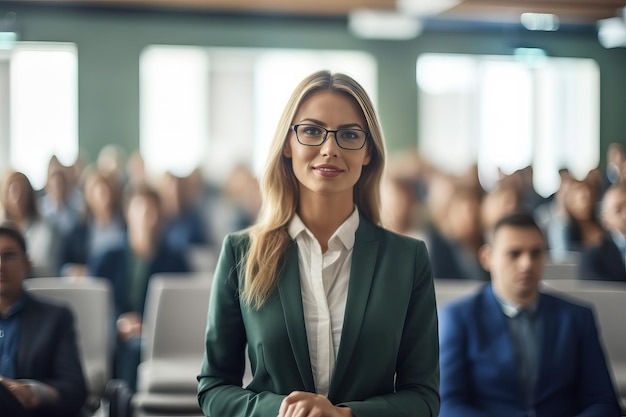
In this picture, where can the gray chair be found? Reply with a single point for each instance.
(174, 325)
(90, 301)
(609, 301)
(447, 290)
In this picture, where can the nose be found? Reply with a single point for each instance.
(330, 147)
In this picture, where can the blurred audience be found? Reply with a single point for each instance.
(43, 239)
(58, 203)
(183, 222)
(401, 206)
(130, 267)
(456, 236)
(607, 260)
(101, 227)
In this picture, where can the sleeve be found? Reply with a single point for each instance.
(220, 392)
(67, 374)
(597, 395)
(417, 369)
(455, 378)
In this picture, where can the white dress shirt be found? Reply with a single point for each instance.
(324, 279)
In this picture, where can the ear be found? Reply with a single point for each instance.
(287, 149)
(484, 256)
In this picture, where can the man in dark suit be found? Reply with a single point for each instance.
(607, 261)
(40, 369)
(510, 350)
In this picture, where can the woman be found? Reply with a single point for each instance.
(338, 315)
(42, 238)
(100, 229)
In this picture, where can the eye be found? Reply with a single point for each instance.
(311, 130)
(350, 134)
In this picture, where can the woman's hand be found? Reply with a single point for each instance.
(307, 404)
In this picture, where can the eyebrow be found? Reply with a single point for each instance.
(319, 122)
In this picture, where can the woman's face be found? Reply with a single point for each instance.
(18, 197)
(327, 169)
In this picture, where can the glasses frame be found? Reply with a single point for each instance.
(12, 256)
(325, 136)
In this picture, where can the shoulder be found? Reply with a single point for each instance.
(566, 304)
(48, 309)
(461, 309)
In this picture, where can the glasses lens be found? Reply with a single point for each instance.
(351, 138)
(310, 134)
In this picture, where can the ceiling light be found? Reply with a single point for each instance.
(377, 24)
(612, 32)
(425, 7)
(540, 21)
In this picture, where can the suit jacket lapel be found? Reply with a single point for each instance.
(364, 257)
(28, 333)
(290, 291)
(549, 334)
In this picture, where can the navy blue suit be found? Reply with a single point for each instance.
(603, 262)
(479, 375)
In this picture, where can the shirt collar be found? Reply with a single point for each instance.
(512, 310)
(344, 233)
(16, 307)
(620, 240)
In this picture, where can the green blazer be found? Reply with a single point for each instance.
(388, 359)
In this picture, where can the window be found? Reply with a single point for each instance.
(216, 108)
(43, 108)
(508, 112)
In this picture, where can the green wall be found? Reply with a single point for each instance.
(110, 42)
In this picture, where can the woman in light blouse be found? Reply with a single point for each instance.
(338, 315)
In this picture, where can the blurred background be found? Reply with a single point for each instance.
(490, 85)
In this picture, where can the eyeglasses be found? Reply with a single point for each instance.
(11, 256)
(312, 135)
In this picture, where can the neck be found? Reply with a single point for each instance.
(7, 301)
(323, 216)
(522, 299)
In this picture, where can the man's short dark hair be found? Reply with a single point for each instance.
(521, 220)
(10, 230)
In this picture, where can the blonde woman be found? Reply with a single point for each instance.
(338, 314)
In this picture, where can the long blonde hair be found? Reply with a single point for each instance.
(269, 239)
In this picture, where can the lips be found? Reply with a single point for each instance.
(327, 170)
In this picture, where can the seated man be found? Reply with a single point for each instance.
(606, 261)
(40, 369)
(510, 350)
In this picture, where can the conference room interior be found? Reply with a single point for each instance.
(471, 94)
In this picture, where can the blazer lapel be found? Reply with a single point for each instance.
(364, 257)
(28, 333)
(289, 290)
(549, 335)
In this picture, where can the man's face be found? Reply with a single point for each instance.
(516, 258)
(14, 266)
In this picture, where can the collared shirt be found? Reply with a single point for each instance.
(9, 339)
(525, 329)
(324, 279)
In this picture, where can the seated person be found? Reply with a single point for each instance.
(606, 261)
(40, 369)
(510, 350)
(129, 269)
